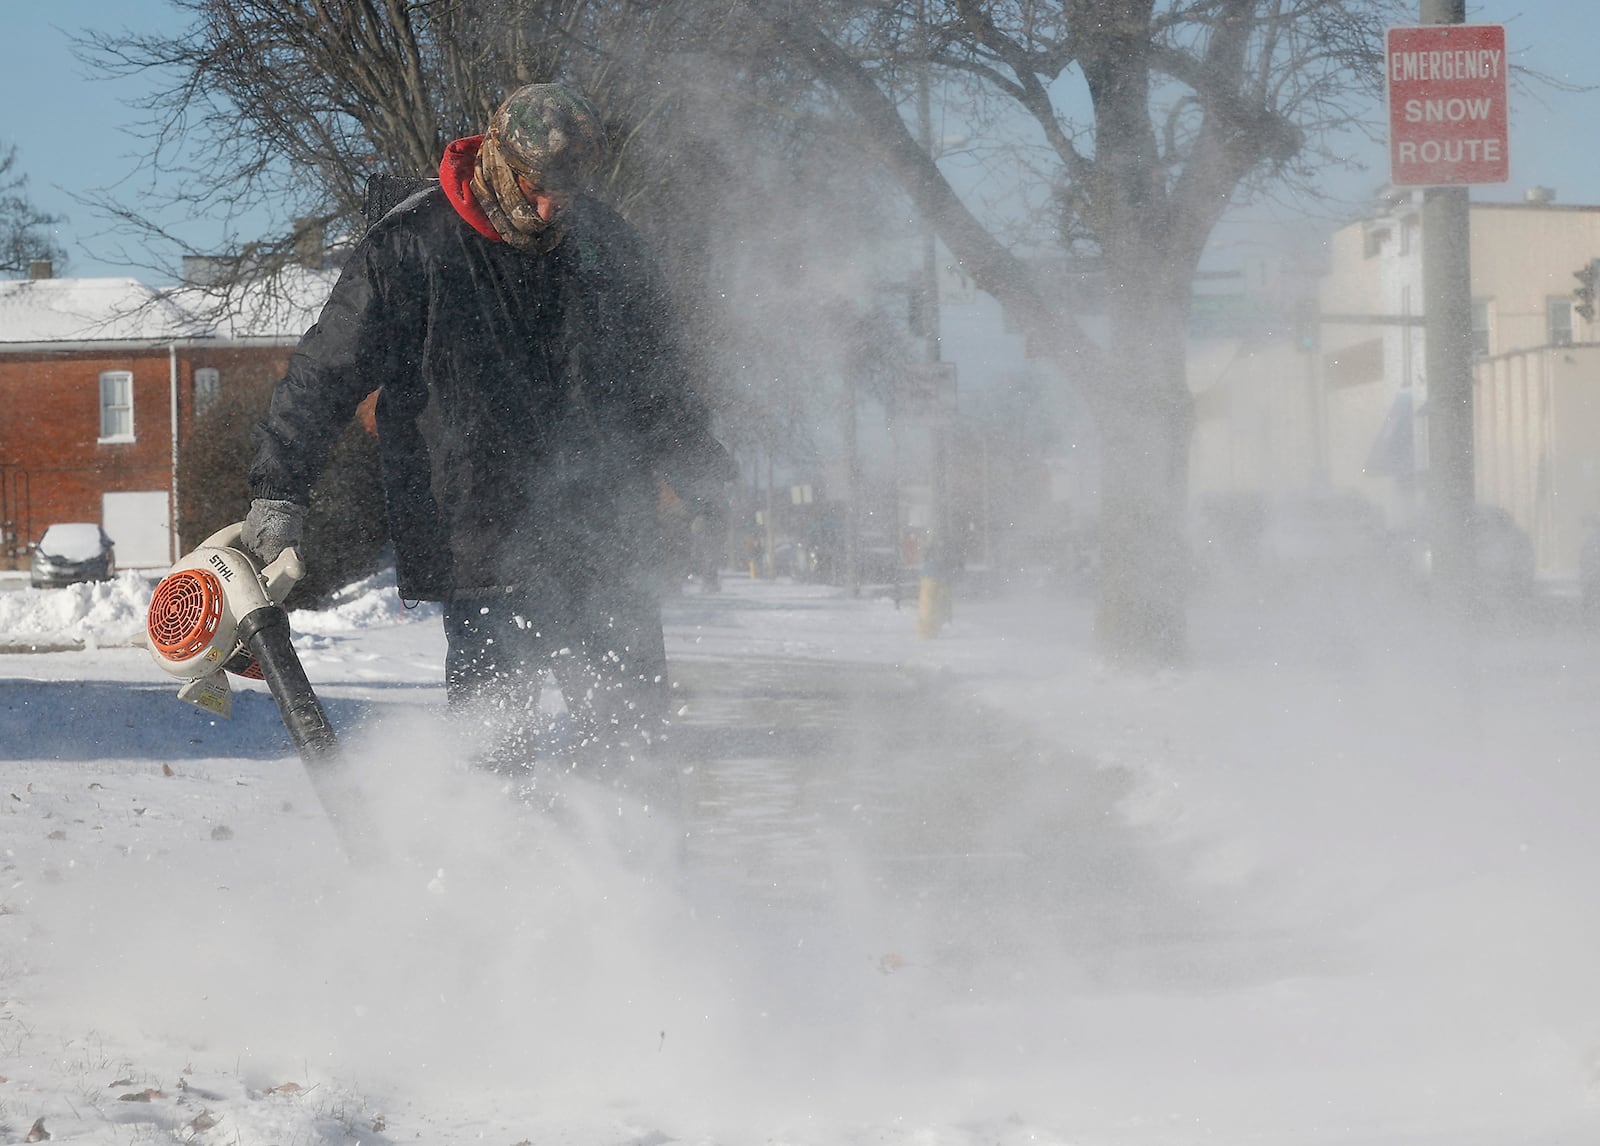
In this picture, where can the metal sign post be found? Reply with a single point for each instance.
(1447, 129)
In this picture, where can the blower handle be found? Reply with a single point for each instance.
(280, 574)
(265, 632)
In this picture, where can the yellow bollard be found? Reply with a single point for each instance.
(933, 607)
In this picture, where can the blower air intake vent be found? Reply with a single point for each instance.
(251, 669)
(184, 613)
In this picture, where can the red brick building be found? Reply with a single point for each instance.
(100, 383)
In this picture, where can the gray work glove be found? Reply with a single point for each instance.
(271, 527)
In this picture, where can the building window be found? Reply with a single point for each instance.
(1482, 345)
(207, 389)
(116, 406)
(1558, 314)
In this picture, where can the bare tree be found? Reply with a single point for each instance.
(290, 105)
(24, 236)
(1146, 120)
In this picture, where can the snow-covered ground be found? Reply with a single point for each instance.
(1332, 884)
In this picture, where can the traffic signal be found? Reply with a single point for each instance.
(1585, 294)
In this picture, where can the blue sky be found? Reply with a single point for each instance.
(74, 130)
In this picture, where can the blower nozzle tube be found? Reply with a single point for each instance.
(265, 632)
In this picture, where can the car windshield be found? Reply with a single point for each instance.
(74, 541)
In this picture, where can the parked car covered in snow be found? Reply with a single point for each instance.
(70, 552)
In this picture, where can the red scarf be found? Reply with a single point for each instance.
(455, 176)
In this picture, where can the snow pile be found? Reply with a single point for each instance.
(370, 603)
(99, 614)
(108, 614)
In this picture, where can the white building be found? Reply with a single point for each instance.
(1350, 416)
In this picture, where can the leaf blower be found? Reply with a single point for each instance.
(216, 613)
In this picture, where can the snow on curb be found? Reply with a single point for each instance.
(102, 614)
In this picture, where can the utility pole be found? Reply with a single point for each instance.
(931, 335)
(930, 244)
(934, 604)
(1447, 287)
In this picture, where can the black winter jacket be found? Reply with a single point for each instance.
(529, 403)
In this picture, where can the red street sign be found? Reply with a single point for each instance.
(1447, 105)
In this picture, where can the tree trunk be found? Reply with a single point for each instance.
(1145, 420)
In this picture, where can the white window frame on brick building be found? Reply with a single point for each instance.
(207, 388)
(116, 406)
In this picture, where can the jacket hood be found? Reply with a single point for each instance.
(455, 177)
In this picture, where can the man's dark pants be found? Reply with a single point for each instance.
(603, 648)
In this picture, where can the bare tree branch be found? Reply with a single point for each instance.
(24, 237)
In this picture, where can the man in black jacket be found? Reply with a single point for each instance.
(531, 402)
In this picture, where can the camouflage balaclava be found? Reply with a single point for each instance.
(552, 135)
